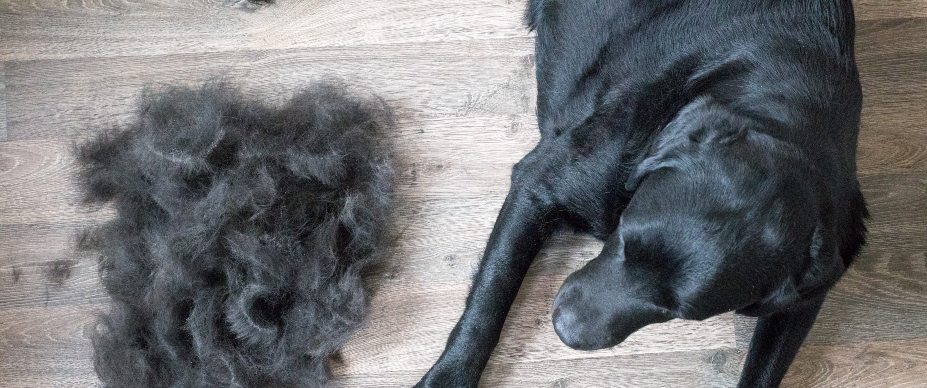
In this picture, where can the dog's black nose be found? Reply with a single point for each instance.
(578, 325)
(565, 327)
(577, 333)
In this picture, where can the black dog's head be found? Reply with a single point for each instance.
(724, 217)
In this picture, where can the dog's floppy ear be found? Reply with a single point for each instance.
(702, 122)
(823, 268)
(825, 264)
(647, 166)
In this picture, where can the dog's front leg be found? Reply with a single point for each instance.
(775, 343)
(523, 224)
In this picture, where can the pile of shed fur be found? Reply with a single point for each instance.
(241, 232)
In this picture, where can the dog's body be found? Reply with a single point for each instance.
(711, 144)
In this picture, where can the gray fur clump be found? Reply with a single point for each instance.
(235, 258)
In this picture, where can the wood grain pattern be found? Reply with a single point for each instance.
(709, 368)
(206, 26)
(461, 75)
(2, 95)
(37, 346)
(871, 364)
(881, 9)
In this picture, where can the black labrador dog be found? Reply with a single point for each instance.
(711, 144)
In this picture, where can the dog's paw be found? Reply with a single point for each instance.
(449, 377)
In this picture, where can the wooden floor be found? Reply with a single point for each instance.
(461, 75)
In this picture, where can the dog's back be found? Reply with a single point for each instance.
(650, 56)
(789, 65)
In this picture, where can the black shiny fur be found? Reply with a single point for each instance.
(711, 144)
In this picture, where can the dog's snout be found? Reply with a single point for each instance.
(567, 327)
(588, 316)
(576, 324)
